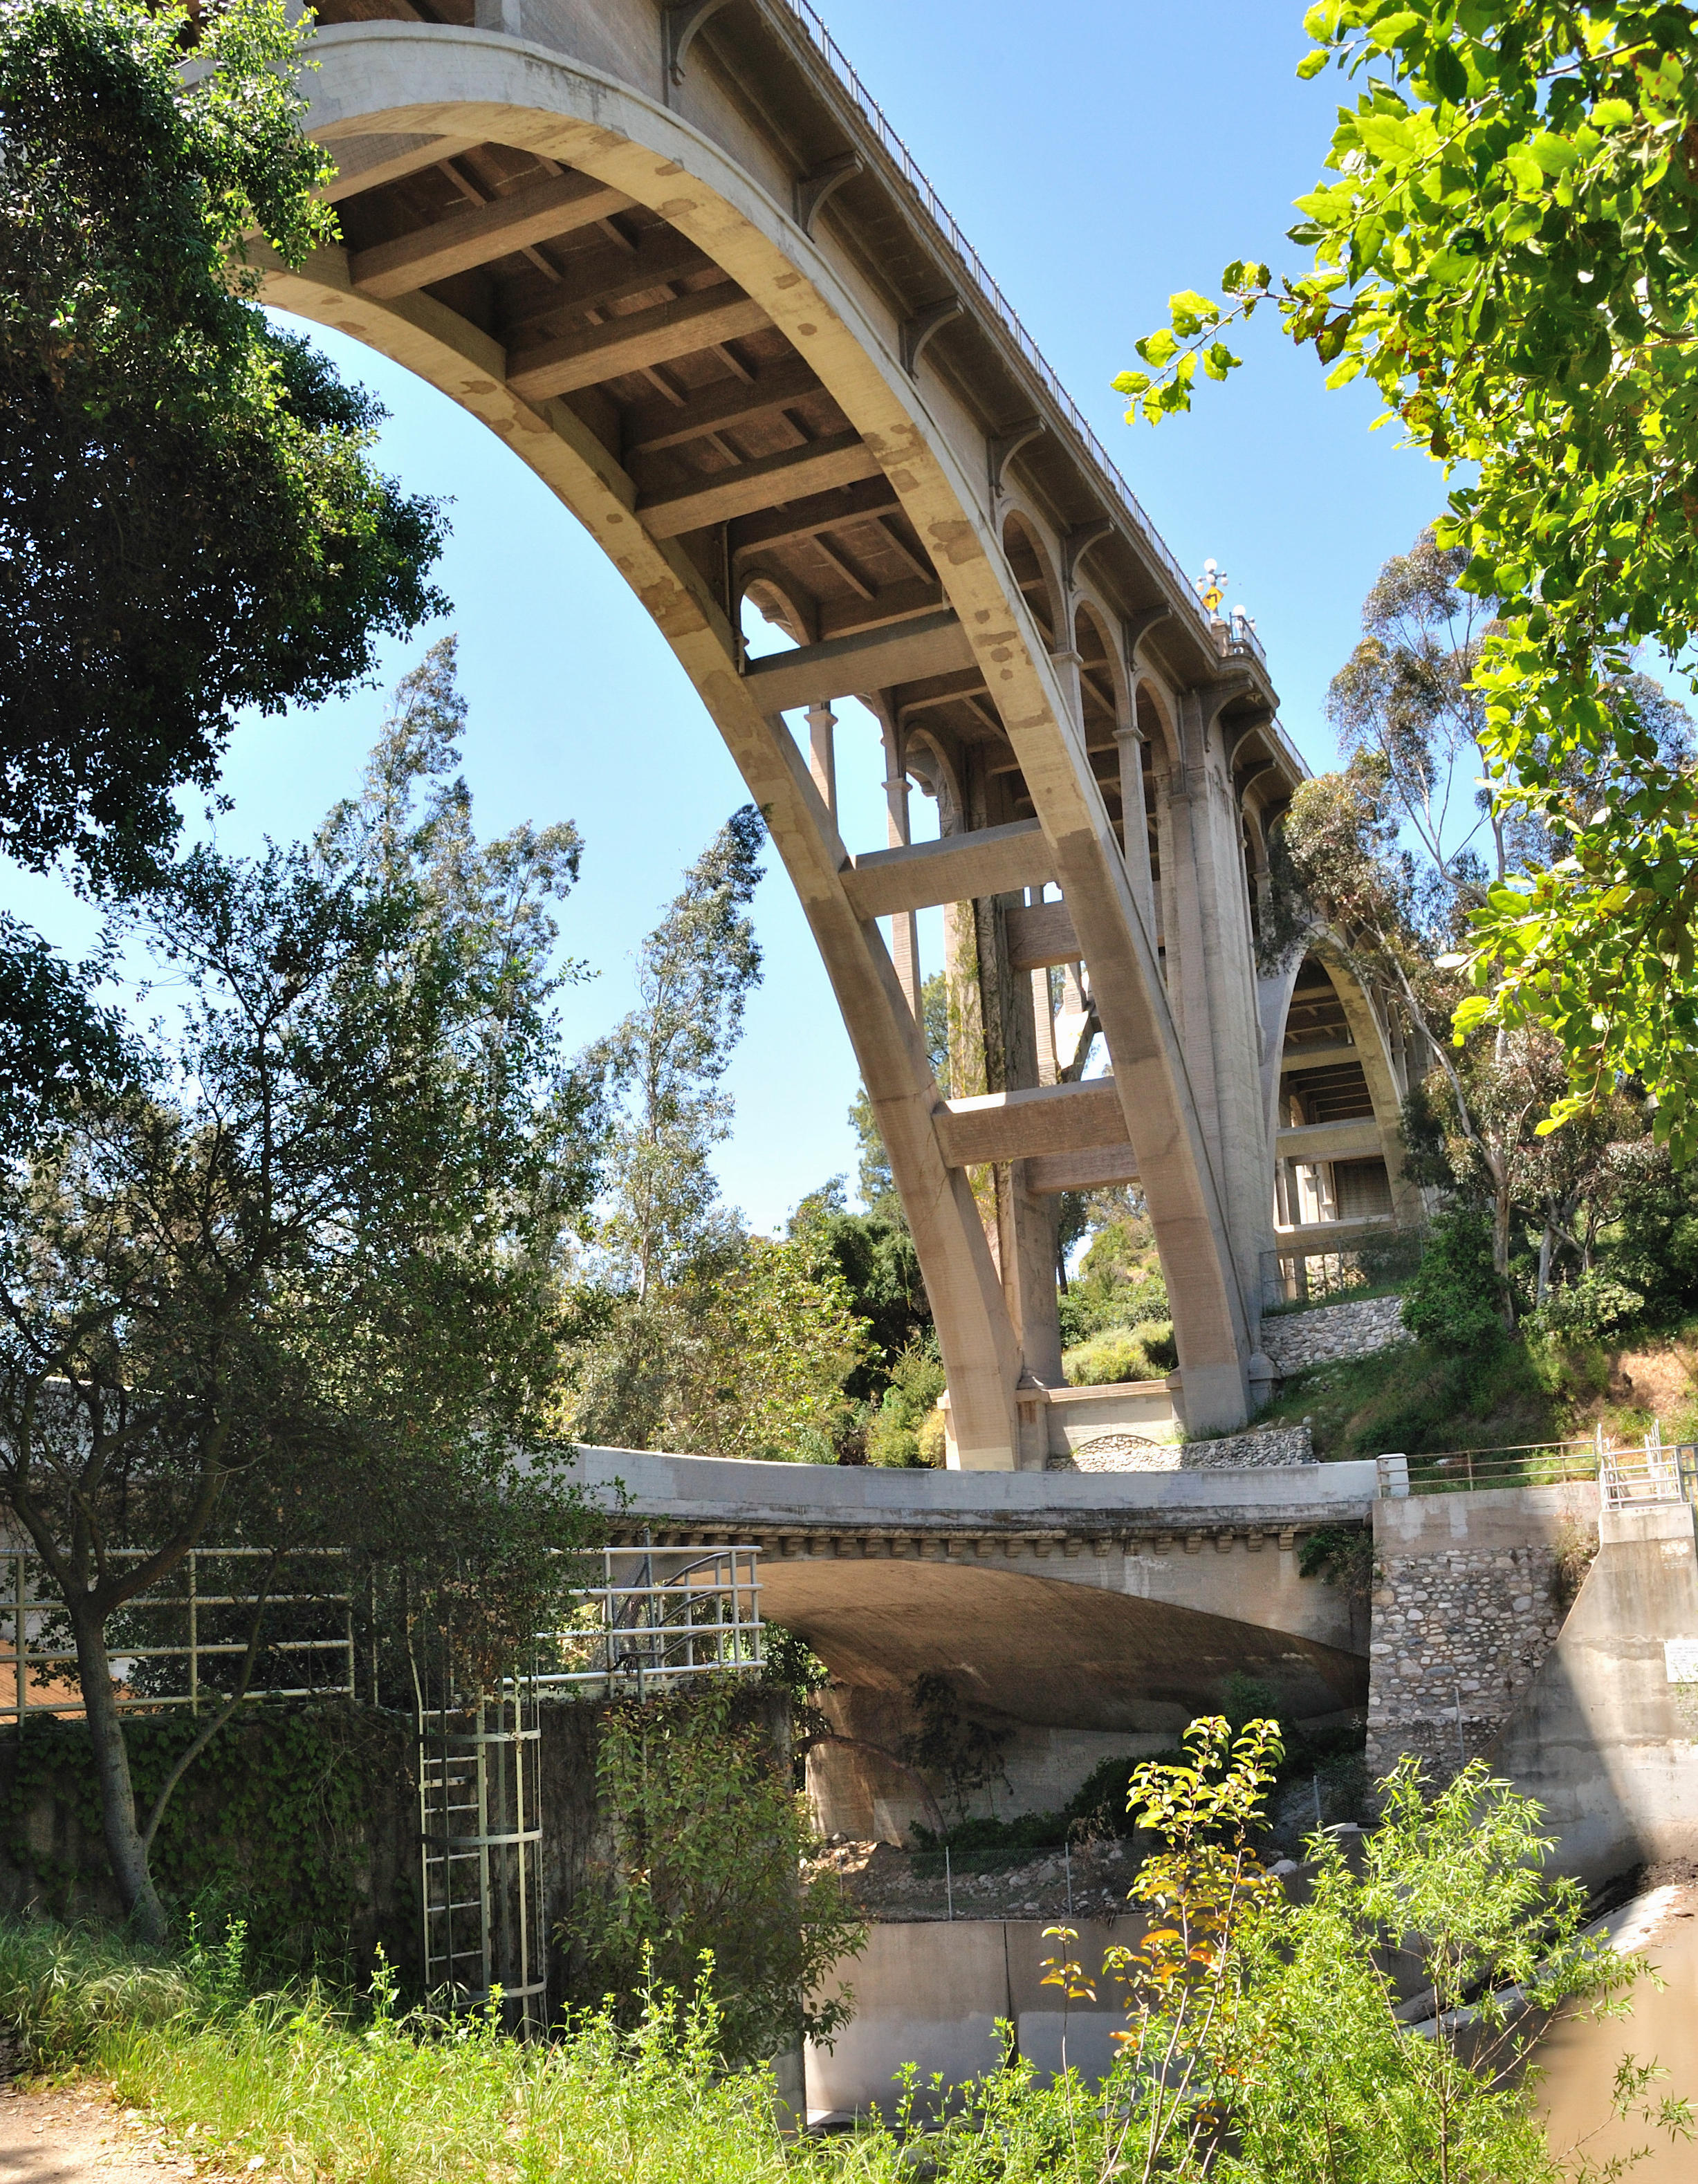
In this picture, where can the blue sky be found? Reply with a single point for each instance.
(1099, 157)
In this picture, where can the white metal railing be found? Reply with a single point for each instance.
(1239, 640)
(38, 1664)
(1640, 1478)
(660, 1615)
(481, 1855)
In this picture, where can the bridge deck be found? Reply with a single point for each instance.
(776, 1500)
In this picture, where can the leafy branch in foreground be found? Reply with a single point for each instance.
(1506, 242)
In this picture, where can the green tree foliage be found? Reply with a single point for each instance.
(295, 1276)
(1119, 1284)
(1269, 2040)
(907, 1428)
(1504, 243)
(874, 1254)
(190, 522)
(666, 1063)
(1385, 862)
(703, 1889)
(700, 1336)
(1333, 2081)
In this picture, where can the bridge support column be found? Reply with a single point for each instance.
(1212, 954)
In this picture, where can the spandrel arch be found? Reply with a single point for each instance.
(762, 406)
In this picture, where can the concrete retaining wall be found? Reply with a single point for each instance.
(932, 1994)
(1604, 1738)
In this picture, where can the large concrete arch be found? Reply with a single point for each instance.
(396, 95)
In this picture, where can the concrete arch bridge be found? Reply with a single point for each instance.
(676, 258)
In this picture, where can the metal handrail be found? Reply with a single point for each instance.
(908, 171)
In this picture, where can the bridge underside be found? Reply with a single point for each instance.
(703, 304)
(1046, 1652)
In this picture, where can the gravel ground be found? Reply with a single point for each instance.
(887, 1884)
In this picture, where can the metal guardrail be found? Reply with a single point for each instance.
(909, 171)
(42, 1676)
(1642, 1477)
(1638, 1477)
(1467, 1470)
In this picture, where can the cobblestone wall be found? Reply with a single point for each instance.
(1465, 1607)
(1296, 1341)
(1245, 1451)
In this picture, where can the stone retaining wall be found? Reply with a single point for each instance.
(1245, 1451)
(1465, 1607)
(1295, 1341)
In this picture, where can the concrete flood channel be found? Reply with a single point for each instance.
(931, 1992)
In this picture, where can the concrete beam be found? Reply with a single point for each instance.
(994, 860)
(809, 519)
(845, 459)
(1316, 1237)
(366, 162)
(656, 424)
(1051, 1118)
(1041, 936)
(633, 343)
(879, 610)
(1098, 1169)
(481, 233)
(1357, 1139)
(873, 660)
(596, 278)
(1311, 1057)
(748, 1497)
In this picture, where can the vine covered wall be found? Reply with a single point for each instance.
(300, 1820)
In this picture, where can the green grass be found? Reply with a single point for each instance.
(295, 2084)
(1418, 1397)
(1393, 1285)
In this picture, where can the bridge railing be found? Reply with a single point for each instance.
(1469, 1470)
(1242, 639)
(1639, 1476)
(186, 1641)
(659, 1616)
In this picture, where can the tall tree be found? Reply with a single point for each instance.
(190, 520)
(296, 1278)
(1505, 242)
(666, 1063)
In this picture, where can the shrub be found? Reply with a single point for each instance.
(1144, 1352)
(1587, 1309)
(708, 1841)
(909, 1409)
(1455, 1297)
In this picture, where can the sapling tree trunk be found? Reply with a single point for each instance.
(125, 1847)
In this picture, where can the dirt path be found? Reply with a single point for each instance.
(78, 2135)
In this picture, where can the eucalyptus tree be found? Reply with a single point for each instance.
(665, 1065)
